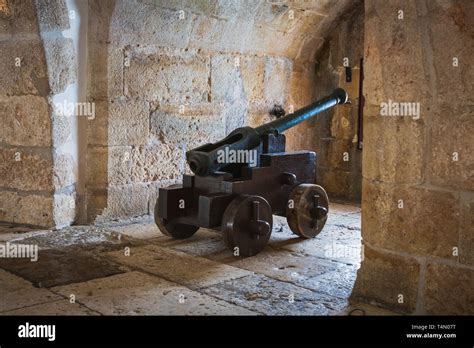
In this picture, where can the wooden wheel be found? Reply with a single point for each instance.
(247, 224)
(173, 227)
(307, 210)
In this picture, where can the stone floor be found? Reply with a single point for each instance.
(127, 269)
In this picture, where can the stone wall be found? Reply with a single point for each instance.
(333, 134)
(418, 173)
(37, 63)
(167, 76)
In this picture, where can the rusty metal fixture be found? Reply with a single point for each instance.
(240, 199)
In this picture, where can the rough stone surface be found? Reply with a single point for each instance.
(272, 297)
(394, 276)
(31, 77)
(18, 19)
(140, 230)
(454, 17)
(399, 42)
(388, 143)
(105, 76)
(64, 209)
(450, 162)
(121, 122)
(194, 126)
(286, 266)
(63, 171)
(466, 232)
(32, 209)
(17, 293)
(448, 290)
(55, 267)
(18, 125)
(122, 201)
(61, 61)
(26, 170)
(52, 15)
(148, 24)
(413, 228)
(135, 293)
(58, 307)
(179, 267)
(337, 243)
(168, 75)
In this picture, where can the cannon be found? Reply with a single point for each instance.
(243, 180)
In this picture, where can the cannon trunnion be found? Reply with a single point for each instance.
(240, 199)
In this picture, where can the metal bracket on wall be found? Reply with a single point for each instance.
(360, 111)
(348, 74)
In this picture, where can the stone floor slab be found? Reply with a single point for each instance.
(272, 297)
(59, 307)
(344, 209)
(18, 293)
(365, 309)
(136, 293)
(333, 243)
(177, 266)
(57, 267)
(286, 266)
(339, 282)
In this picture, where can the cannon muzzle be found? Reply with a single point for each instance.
(208, 159)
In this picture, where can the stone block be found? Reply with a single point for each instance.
(427, 225)
(64, 171)
(35, 210)
(341, 184)
(252, 70)
(119, 122)
(168, 75)
(136, 293)
(18, 19)
(105, 75)
(97, 169)
(61, 60)
(395, 50)
(450, 162)
(228, 9)
(26, 170)
(62, 127)
(393, 150)
(226, 82)
(451, 31)
(449, 290)
(287, 266)
(23, 69)
(207, 7)
(466, 231)
(52, 15)
(18, 293)
(156, 162)
(196, 125)
(149, 24)
(19, 127)
(191, 271)
(126, 201)
(99, 21)
(388, 279)
(225, 35)
(64, 209)
(268, 296)
(58, 307)
(277, 77)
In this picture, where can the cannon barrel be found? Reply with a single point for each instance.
(204, 160)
